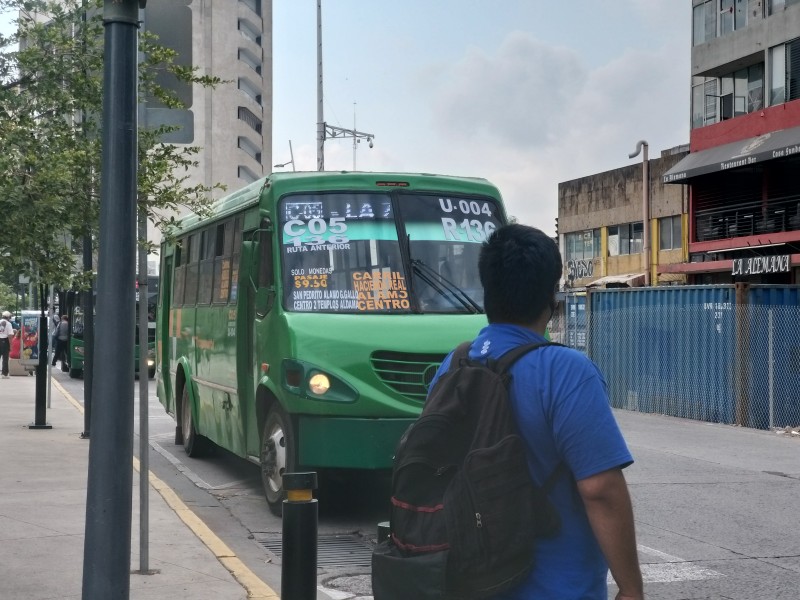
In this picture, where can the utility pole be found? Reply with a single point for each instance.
(325, 131)
(107, 541)
(641, 145)
(88, 295)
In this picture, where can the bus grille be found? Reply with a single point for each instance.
(407, 374)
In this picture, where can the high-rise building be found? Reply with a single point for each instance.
(744, 207)
(232, 122)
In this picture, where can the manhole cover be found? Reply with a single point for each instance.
(338, 551)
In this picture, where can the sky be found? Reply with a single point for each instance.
(524, 93)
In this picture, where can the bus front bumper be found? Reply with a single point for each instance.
(353, 443)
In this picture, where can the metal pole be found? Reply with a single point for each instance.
(107, 545)
(646, 216)
(771, 371)
(291, 154)
(88, 338)
(144, 430)
(88, 295)
(320, 116)
(355, 139)
(741, 356)
(40, 408)
(642, 145)
(51, 311)
(144, 395)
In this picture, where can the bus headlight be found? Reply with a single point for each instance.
(319, 384)
(307, 380)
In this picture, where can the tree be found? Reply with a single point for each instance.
(50, 144)
(8, 297)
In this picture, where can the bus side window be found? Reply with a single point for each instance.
(222, 262)
(180, 272)
(193, 252)
(207, 253)
(266, 272)
(235, 254)
(265, 290)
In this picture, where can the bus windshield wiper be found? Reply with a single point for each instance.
(442, 283)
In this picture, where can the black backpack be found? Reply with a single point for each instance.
(465, 512)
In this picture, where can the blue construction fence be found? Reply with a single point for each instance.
(723, 354)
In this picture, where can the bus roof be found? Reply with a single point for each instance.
(312, 181)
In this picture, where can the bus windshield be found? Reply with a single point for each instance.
(384, 253)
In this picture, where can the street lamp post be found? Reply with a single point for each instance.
(291, 162)
(325, 131)
(641, 146)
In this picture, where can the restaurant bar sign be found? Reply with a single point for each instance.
(761, 265)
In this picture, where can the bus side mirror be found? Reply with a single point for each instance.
(264, 298)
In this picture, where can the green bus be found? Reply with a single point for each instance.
(75, 354)
(300, 325)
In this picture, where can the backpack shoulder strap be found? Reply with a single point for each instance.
(505, 362)
(502, 365)
(460, 354)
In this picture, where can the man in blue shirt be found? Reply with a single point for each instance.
(560, 400)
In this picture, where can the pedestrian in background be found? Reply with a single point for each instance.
(61, 335)
(6, 333)
(561, 403)
(16, 345)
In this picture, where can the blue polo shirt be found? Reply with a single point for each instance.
(560, 400)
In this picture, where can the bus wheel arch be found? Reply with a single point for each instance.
(194, 444)
(278, 453)
(180, 381)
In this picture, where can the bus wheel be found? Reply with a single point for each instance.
(277, 456)
(194, 444)
(75, 373)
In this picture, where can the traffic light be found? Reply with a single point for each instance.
(556, 226)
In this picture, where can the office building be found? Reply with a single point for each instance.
(232, 122)
(744, 193)
(601, 226)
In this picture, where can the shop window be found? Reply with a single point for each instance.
(669, 229)
(583, 245)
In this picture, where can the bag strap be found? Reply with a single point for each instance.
(502, 365)
(460, 354)
(505, 362)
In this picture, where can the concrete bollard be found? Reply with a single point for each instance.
(384, 531)
(299, 544)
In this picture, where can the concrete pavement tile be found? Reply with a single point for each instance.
(196, 591)
(41, 568)
(15, 528)
(43, 509)
(54, 513)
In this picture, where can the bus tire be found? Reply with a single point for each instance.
(277, 456)
(75, 373)
(194, 444)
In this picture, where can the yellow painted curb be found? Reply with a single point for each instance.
(255, 588)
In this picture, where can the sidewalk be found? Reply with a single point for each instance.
(42, 514)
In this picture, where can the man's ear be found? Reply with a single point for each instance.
(553, 306)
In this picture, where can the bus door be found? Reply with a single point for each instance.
(165, 349)
(248, 366)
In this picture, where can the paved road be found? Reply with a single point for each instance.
(715, 508)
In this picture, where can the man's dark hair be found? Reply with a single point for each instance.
(519, 267)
